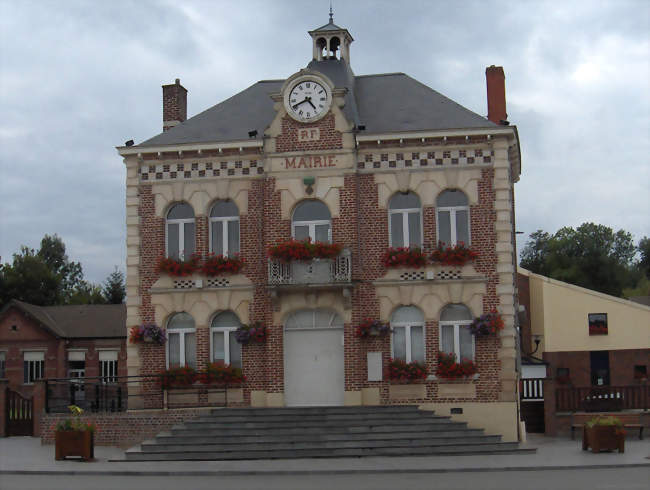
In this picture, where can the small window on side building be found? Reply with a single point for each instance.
(640, 371)
(597, 323)
(562, 375)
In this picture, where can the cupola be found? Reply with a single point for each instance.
(331, 42)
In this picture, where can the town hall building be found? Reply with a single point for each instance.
(376, 166)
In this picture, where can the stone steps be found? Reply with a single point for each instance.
(317, 432)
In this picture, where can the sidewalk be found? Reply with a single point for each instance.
(25, 455)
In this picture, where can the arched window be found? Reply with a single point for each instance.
(179, 231)
(313, 319)
(181, 341)
(407, 325)
(405, 220)
(455, 335)
(224, 228)
(453, 217)
(311, 219)
(224, 347)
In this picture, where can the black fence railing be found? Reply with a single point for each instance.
(121, 393)
(602, 398)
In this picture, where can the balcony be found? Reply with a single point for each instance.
(314, 274)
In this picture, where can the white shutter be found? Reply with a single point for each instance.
(76, 355)
(108, 355)
(34, 356)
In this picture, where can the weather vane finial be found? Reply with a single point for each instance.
(331, 14)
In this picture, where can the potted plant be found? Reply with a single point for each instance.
(372, 328)
(148, 333)
(74, 437)
(217, 265)
(255, 333)
(458, 254)
(448, 368)
(603, 434)
(401, 371)
(487, 324)
(179, 267)
(404, 257)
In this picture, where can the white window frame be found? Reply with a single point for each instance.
(452, 222)
(227, 332)
(457, 324)
(405, 226)
(312, 228)
(108, 367)
(407, 338)
(224, 220)
(37, 362)
(181, 344)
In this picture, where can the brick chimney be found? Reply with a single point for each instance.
(174, 104)
(496, 94)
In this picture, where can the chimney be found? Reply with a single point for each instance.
(174, 104)
(496, 94)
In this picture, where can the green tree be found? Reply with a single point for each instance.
(114, 290)
(86, 293)
(592, 256)
(644, 250)
(52, 252)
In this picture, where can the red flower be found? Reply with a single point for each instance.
(404, 257)
(304, 250)
(450, 369)
(216, 265)
(457, 255)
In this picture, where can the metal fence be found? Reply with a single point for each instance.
(602, 398)
(121, 393)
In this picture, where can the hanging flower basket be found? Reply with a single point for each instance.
(255, 333)
(304, 250)
(405, 372)
(404, 257)
(178, 267)
(218, 373)
(371, 328)
(487, 324)
(178, 377)
(218, 265)
(148, 334)
(457, 255)
(448, 368)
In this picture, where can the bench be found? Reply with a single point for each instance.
(629, 420)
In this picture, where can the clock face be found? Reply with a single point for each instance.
(308, 100)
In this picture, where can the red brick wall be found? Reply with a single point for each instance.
(330, 138)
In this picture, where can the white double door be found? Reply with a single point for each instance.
(314, 359)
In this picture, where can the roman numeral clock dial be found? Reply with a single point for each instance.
(307, 99)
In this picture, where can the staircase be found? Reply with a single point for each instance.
(318, 432)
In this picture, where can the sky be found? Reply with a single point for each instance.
(78, 78)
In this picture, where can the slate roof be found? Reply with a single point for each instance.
(77, 321)
(392, 102)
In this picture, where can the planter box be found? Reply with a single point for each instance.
(407, 391)
(603, 438)
(313, 272)
(183, 397)
(74, 443)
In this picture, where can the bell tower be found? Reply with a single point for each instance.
(331, 42)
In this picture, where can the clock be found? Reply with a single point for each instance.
(307, 99)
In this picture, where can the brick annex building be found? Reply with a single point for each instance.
(369, 162)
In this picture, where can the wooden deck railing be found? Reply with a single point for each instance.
(602, 398)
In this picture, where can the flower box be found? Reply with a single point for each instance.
(603, 434)
(453, 255)
(180, 377)
(304, 250)
(407, 391)
(448, 368)
(217, 265)
(404, 257)
(74, 443)
(400, 371)
(218, 373)
(179, 267)
(487, 324)
(371, 328)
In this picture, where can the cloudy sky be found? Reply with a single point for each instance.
(78, 78)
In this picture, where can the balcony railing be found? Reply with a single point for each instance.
(602, 398)
(316, 271)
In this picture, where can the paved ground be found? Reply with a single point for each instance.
(635, 478)
(25, 455)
